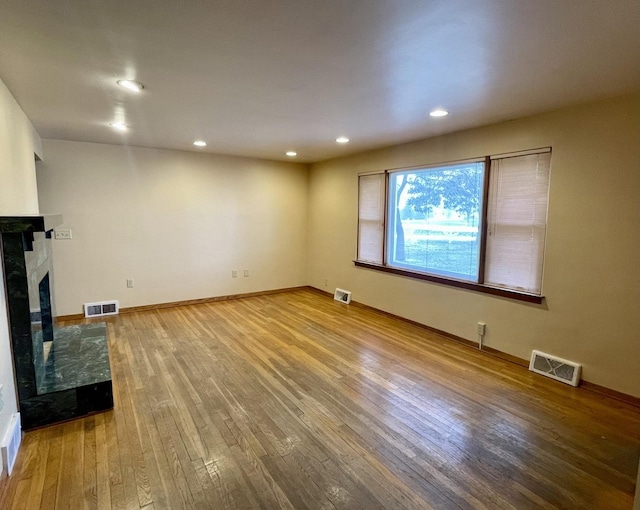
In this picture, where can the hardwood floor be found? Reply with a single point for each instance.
(296, 401)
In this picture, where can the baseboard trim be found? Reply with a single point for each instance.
(595, 388)
(72, 317)
(608, 392)
(188, 302)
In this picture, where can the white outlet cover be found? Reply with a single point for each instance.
(63, 234)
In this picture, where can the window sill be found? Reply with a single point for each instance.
(520, 296)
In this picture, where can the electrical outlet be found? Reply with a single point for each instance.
(481, 328)
(326, 282)
(234, 274)
(246, 273)
(63, 234)
(129, 283)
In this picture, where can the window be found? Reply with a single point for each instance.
(434, 218)
(478, 224)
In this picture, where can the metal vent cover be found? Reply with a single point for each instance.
(344, 296)
(556, 368)
(11, 442)
(101, 308)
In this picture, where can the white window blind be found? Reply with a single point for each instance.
(517, 222)
(371, 189)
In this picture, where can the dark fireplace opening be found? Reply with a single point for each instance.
(46, 314)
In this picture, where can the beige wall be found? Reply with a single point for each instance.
(18, 195)
(592, 276)
(176, 222)
(18, 144)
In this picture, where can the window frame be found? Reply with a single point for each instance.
(443, 280)
(391, 218)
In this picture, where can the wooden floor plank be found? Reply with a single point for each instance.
(89, 470)
(103, 489)
(295, 401)
(53, 467)
(39, 470)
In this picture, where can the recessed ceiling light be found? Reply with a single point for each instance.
(200, 143)
(292, 154)
(439, 112)
(120, 126)
(136, 86)
(342, 139)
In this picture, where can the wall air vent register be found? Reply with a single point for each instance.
(101, 308)
(557, 368)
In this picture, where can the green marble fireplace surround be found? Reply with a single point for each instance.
(61, 373)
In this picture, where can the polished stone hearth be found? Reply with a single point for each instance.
(78, 357)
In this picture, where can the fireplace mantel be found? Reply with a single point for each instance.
(29, 223)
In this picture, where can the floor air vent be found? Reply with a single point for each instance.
(101, 309)
(344, 296)
(557, 368)
(11, 442)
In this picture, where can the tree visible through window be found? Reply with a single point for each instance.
(436, 215)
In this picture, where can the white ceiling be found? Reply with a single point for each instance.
(260, 77)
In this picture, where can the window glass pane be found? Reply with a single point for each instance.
(371, 217)
(517, 222)
(434, 220)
